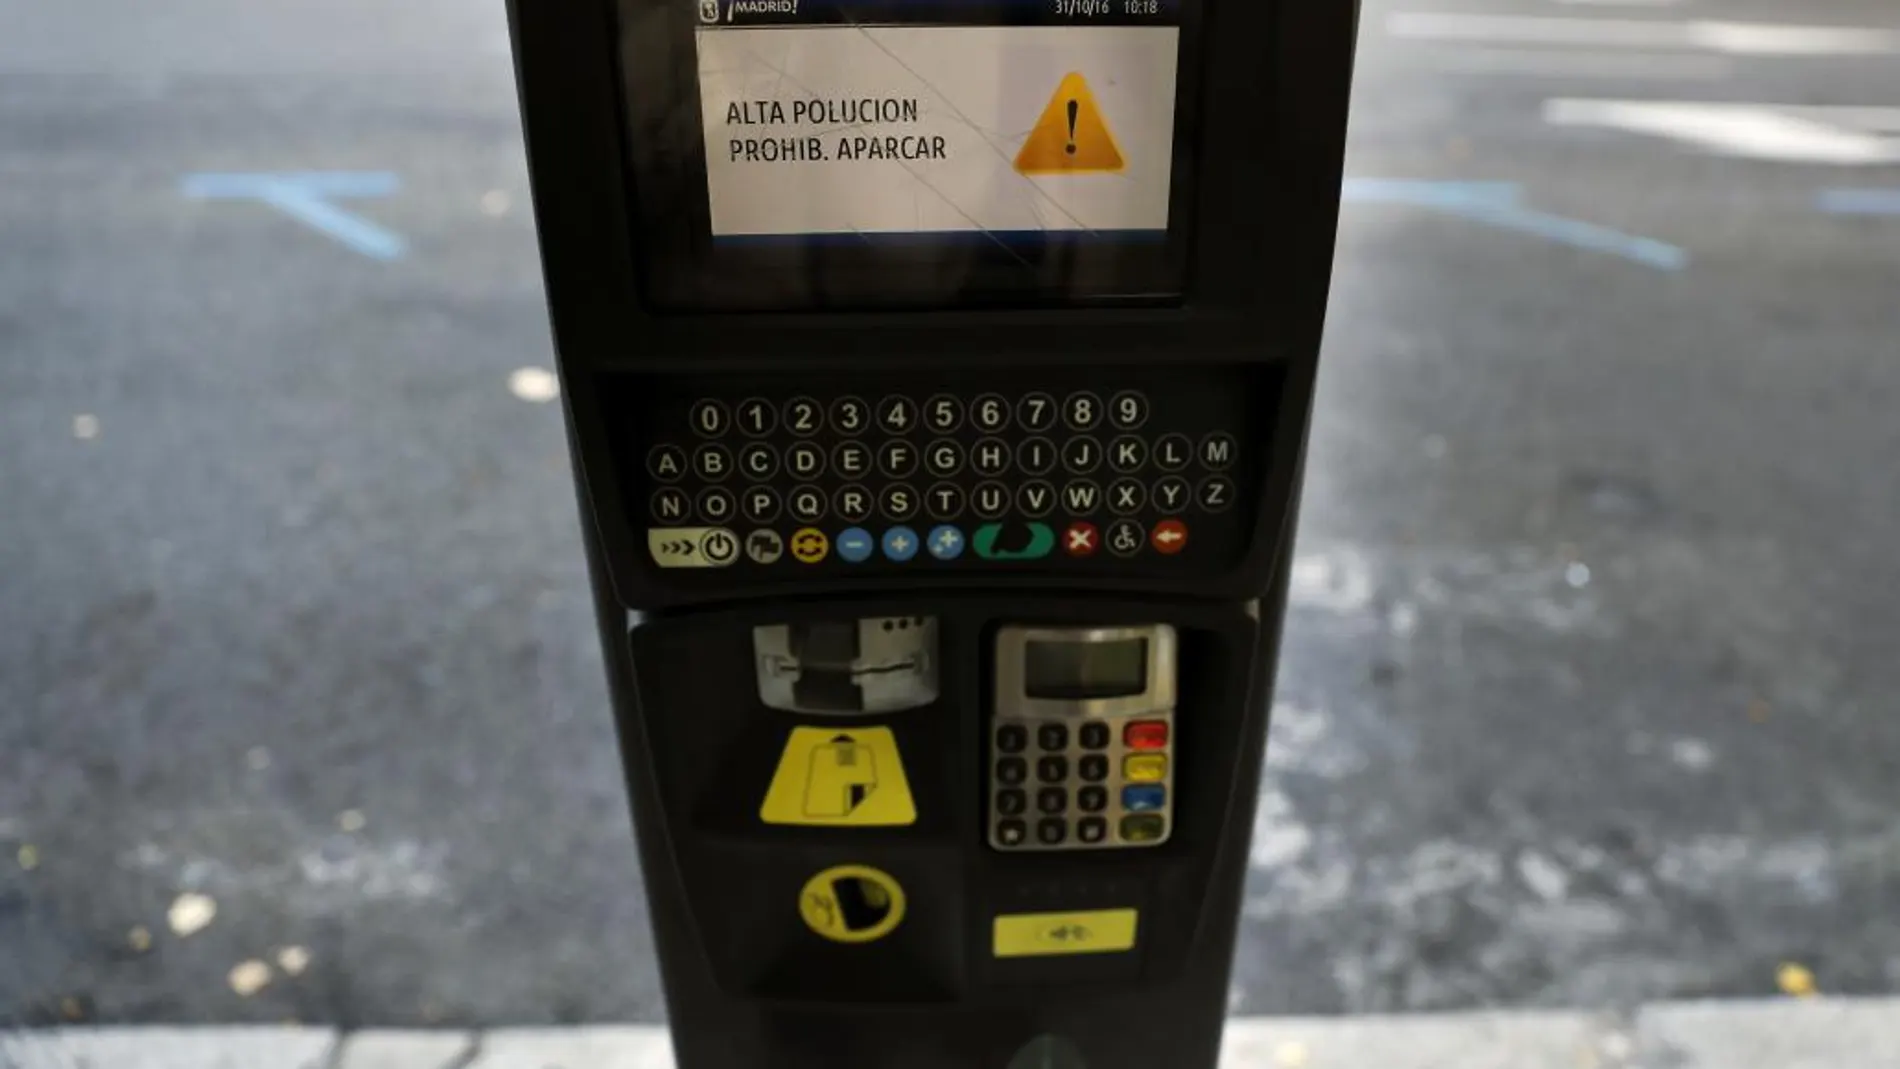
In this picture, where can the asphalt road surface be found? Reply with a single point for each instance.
(1588, 689)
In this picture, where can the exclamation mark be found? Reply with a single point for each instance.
(1070, 147)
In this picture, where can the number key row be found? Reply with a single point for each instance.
(758, 417)
(944, 457)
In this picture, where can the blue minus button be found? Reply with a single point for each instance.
(855, 545)
(1144, 798)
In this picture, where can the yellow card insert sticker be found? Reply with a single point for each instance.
(840, 778)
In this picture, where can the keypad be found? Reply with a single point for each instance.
(1092, 783)
(1143, 475)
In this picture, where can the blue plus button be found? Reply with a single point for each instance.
(946, 542)
(900, 543)
(854, 544)
(1140, 799)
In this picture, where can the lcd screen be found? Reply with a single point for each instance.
(812, 154)
(1079, 671)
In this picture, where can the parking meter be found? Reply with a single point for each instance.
(937, 375)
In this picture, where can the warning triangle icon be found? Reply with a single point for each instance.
(1071, 137)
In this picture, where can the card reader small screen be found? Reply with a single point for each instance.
(1078, 671)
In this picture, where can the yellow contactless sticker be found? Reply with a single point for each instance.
(840, 778)
(852, 904)
(1100, 931)
(1071, 137)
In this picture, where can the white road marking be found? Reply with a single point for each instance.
(1749, 131)
(1725, 38)
(534, 384)
(1610, 66)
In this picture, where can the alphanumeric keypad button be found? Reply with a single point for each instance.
(990, 500)
(806, 503)
(805, 461)
(1173, 452)
(943, 457)
(760, 504)
(1092, 799)
(944, 501)
(1035, 499)
(1052, 736)
(851, 460)
(709, 418)
(1128, 453)
(943, 413)
(804, 417)
(1012, 738)
(1091, 830)
(1036, 411)
(1093, 735)
(1082, 411)
(850, 415)
(666, 462)
(716, 505)
(1127, 496)
(990, 456)
(1050, 831)
(899, 501)
(670, 506)
(897, 458)
(1011, 832)
(1093, 767)
(1012, 771)
(990, 412)
(1036, 456)
(712, 462)
(1216, 494)
(757, 417)
(758, 462)
(897, 414)
(1128, 410)
(1011, 803)
(1052, 769)
(1052, 800)
(853, 503)
(1217, 451)
(1081, 497)
(1081, 455)
(1171, 494)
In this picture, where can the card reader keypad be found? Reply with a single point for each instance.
(1136, 474)
(1081, 783)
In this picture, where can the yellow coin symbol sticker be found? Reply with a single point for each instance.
(852, 904)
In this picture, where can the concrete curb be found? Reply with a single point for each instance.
(1809, 1034)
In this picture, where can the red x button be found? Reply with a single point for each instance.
(1081, 540)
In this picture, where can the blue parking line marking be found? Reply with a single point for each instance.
(1499, 204)
(1859, 201)
(307, 196)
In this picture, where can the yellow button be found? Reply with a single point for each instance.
(1145, 767)
(810, 545)
(1100, 931)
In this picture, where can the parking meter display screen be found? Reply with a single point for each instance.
(1079, 671)
(921, 151)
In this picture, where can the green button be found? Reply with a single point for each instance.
(1014, 541)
